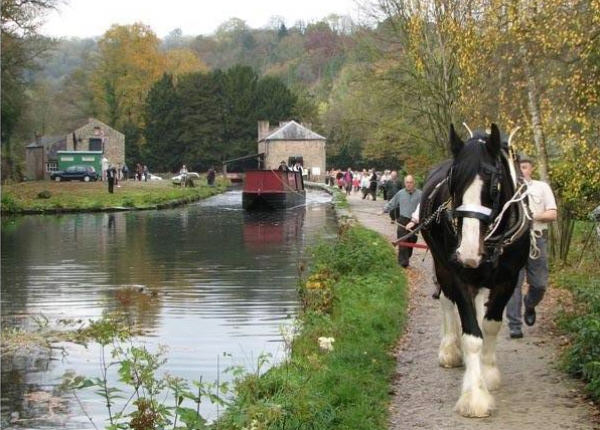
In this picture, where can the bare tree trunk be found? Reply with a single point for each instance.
(536, 117)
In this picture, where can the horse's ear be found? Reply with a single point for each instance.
(493, 143)
(456, 145)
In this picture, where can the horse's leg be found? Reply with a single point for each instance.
(449, 354)
(492, 322)
(475, 399)
(490, 328)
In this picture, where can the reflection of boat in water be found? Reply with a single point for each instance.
(272, 189)
(262, 229)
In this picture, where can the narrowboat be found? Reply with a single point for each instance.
(272, 189)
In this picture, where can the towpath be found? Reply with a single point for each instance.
(534, 395)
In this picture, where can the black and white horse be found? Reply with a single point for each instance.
(478, 233)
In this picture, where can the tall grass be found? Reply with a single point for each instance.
(356, 295)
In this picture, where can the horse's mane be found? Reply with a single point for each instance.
(467, 163)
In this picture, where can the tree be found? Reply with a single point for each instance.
(240, 111)
(202, 115)
(274, 101)
(163, 149)
(20, 45)
(183, 60)
(129, 63)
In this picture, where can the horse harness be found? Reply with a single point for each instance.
(493, 243)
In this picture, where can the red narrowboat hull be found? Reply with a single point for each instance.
(272, 189)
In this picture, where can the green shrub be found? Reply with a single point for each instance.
(582, 357)
(9, 204)
(45, 194)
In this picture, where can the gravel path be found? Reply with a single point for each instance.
(533, 395)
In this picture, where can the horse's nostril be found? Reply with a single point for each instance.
(471, 262)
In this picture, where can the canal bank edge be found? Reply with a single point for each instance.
(341, 365)
(211, 191)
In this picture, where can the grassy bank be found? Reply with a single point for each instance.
(580, 320)
(355, 295)
(51, 197)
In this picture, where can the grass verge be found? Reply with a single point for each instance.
(581, 320)
(354, 300)
(52, 197)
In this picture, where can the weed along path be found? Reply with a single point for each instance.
(533, 394)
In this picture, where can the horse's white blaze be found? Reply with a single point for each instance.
(449, 354)
(468, 252)
(475, 399)
(491, 374)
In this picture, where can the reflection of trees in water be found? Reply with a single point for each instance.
(197, 259)
(26, 403)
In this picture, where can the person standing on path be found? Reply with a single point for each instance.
(110, 176)
(403, 204)
(392, 186)
(210, 176)
(543, 208)
(373, 185)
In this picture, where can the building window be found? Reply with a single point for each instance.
(296, 159)
(95, 144)
(51, 167)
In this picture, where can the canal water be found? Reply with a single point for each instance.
(213, 283)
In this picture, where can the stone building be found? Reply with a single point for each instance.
(41, 156)
(97, 136)
(292, 142)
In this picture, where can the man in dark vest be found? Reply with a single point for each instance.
(111, 173)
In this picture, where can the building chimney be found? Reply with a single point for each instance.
(263, 129)
(38, 139)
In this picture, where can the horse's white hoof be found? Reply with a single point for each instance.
(491, 376)
(449, 354)
(475, 403)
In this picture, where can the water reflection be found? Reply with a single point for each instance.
(205, 279)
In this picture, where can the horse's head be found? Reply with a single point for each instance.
(474, 185)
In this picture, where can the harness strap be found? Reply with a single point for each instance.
(482, 213)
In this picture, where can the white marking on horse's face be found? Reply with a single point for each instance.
(468, 252)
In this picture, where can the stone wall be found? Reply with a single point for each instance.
(114, 141)
(312, 151)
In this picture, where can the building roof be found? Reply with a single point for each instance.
(52, 144)
(46, 141)
(97, 122)
(292, 131)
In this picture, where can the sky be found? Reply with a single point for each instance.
(89, 18)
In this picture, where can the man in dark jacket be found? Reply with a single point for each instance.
(111, 174)
(373, 184)
(393, 185)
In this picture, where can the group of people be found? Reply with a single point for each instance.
(370, 183)
(297, 167)
(403, 209)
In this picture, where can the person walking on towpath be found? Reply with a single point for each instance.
(543, 208)
(400, 208)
